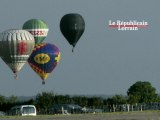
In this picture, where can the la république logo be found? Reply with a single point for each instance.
(132, 25)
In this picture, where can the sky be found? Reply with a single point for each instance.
(105, 60)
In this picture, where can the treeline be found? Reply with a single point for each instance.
(44, 100)
(138, 93)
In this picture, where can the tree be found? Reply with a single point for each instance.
(45, 100)
(81, 100)
(115, 101)
(3, 102)
(119, 99)
(141, 92)
(2, 99)
(12, 99)
(95, 101)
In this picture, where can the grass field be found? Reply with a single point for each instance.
(147, 115)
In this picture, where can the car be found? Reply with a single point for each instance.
(2, 113)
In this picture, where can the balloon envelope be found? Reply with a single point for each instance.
(44, 59)
(72, 27)
(16, 47)
(38, 28)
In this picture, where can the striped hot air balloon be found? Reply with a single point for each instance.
(16, 47)
(38, 28)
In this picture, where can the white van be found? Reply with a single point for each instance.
(23, 110)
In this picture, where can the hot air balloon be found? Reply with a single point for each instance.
(38, 28)
(16, 47)
(72, 27)
(44, 59)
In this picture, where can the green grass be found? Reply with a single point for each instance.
(98, 114)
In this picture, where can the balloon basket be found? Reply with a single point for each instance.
(73, 49)
(15, 76)
(43, 82)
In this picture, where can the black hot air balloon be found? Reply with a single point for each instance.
(72, 27)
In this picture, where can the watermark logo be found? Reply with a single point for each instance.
(133, 25)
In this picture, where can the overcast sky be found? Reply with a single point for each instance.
(105, 60)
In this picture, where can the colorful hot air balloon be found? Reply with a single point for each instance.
(16, 47)
(38, 28)
(72, 27)
(44, 59)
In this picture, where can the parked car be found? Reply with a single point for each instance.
(2, 113)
